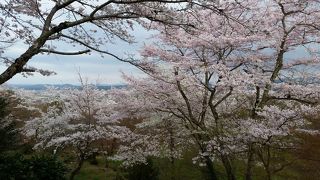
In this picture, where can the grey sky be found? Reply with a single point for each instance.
(106, 70)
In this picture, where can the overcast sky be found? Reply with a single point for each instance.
(105, 70)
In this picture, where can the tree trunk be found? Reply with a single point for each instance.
(267, 164)
(77, 169)
(210, 168)
(172, 158)
(106, 166)
(268, 173)
(248, 175)
(228, 167)
(172, 170)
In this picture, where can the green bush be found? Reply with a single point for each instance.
(46, 167)
(12, 166)
(143, 171)
(16, 166)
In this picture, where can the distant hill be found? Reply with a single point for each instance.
(39, 87)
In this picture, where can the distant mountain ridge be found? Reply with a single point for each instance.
(39, 87)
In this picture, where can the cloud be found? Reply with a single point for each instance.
(93, 66)
(105, 70)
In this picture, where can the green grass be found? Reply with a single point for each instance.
(99, 171)
(91, 172)
(181, 169)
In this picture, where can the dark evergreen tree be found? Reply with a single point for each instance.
(9, 136)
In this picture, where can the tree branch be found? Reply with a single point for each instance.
(65, 53)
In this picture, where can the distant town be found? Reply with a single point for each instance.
(39, 87)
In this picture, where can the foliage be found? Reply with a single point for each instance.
(79, 120)
(231, 83)
(143, 171)
(46, 167)
(76, 118)
(16, 166)
(9, 135)
(12, 166)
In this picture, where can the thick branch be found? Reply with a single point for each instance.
(293, 99)
(65, 53)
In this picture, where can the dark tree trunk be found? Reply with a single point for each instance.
(248, 175)
(106, 167)
(211, 171)
(268, 173)
(172, 147)
(77, 169)
(172, 170)
(267, 163)
(228, 167)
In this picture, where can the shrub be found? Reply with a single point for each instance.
(143, 171)
(16, 166)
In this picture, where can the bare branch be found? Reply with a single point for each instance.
(65, 53)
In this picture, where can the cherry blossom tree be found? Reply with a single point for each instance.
(161, 135)
(76, 119)
(85, 25)
(234, 80)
